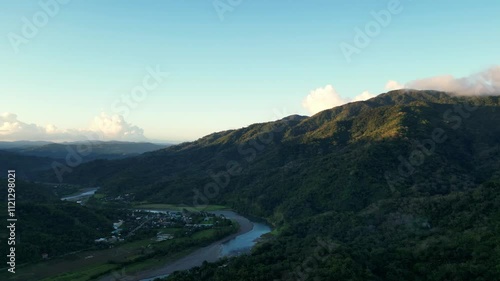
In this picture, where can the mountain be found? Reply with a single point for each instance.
(20, 144)
(404, 186)
(27, 167)
(30, 158)
(90, 150)
(352, 145)
(50, 225)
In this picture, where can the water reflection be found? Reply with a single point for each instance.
(242, 244)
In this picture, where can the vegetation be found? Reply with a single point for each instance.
(27, 167)
(444, 237)
(49, 226)
(404, 186)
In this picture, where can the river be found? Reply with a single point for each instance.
(86, 193)
(244, 242)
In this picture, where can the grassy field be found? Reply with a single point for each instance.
(87, 265)
(99, 196)
(204, 234)
(173, 207)
(81, 265)
(85, 274)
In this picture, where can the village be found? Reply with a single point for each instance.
(160, 225)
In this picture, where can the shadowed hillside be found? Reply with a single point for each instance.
(404, 186)
(338, 154)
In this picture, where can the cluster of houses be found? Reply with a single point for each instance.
(139, 220)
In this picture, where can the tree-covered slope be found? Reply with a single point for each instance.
(27, 167)
(404, 186)
(45, 224)
(318, 163)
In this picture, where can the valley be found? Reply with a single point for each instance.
(233, 140)
(357, 192)
(149, 242)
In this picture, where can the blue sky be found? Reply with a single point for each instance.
(257, 63)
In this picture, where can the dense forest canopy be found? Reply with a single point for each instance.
(403, 186)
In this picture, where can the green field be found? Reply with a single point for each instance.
(99, 196)
(122, 259)
(84, 274)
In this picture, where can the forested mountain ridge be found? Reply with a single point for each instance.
(409, 190)
(405, 186)
(49, 225)
(27, 167)
(351, 150)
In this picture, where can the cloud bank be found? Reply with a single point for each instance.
(103, 127)
(327, 97)
(486, 82)
(393, 85)
(115, 127)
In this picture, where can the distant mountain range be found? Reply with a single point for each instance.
(30, 157)
(93, 149)
(21, 144)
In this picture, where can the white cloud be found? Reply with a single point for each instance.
(486, 82)
(115, 127)
(363, 96)
(321, 99)
(103, 127)
(393, 85)
(11, 127)
(50, 129)
(327, 97)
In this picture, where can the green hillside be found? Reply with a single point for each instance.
(404, 186)
(45, 224)
(321, 162)
(27, 167)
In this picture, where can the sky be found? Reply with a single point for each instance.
(177, 70)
